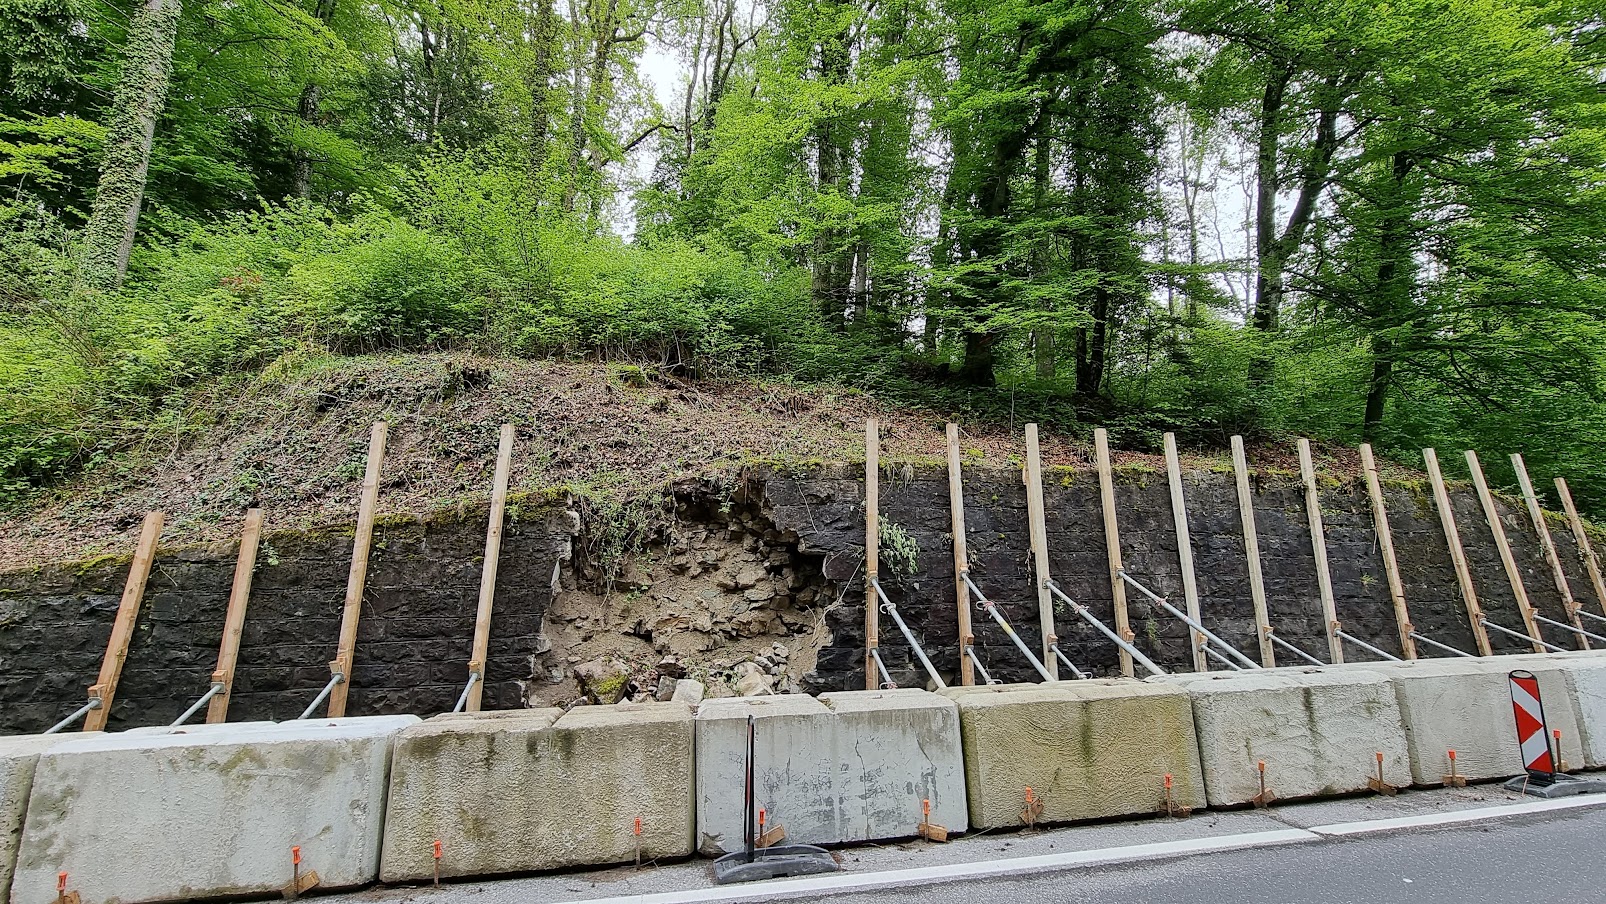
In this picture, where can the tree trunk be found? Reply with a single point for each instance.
(833, 264)
(141, 95)
(1393, 292)
(539, 82)
(307, 112)
(1268, 251)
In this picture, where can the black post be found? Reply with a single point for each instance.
(749, 816)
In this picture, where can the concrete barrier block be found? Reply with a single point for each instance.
(525, 790)
(1087, 749)
(898, 748)
(207, 811)
(1317, 731)
(18, 757)
(1465, 704)
(851, 766)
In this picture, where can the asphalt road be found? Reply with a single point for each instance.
(1555, 858)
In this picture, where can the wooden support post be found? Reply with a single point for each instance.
(1586, 550)
(1458, 555)
(1039, 536)
(1112, 542)
(1190, 585)
(217, 710)
(111, 665)
(1257, 579)
(361, 544)
(956, 508)
(1492, 515)
(1535, 512)
(1318, 545)
(872, 536)
(1385, 544)
(493, 551)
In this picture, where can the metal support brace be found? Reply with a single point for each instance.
(1068, 663)
(462, 699)
(986, 605)
(975, 661)
(213, 691)
(1293, 649)
(323, 695)
(1567, 627)
(1215, 654)
(1599, 618)
(886, 680)
(1165, 604)
(1518, 634)
(1366, 646)
(892, 610)
(1093, 620)
(1443, 646)
(94, 703)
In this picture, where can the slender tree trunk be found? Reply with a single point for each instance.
(1393, 291)
(833, 265)
(1269, 258)
(141, 95)
(307, 112)
(1043, 336)
(544, 32)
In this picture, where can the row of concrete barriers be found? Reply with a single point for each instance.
(214, 811)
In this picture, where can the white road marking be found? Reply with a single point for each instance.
(1454, 816)
(787, 889)
(790, 889)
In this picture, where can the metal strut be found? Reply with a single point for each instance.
(970, 651)
(1165, 604)
(1068, 663)
(892, 610)
(1366, 646)
(1599, 618)
(1213, 653)
(986, 605)
(213, 691)
(1443, 646)
(1093, 620)
(1293, 649)
(474, 678)
(94, 703)
(1567, 627)
(323, 695)
(886, 680)
(1549, 646)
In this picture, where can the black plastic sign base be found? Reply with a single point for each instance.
(774, 862)
(1552, 786)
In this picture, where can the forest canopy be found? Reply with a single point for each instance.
(1343, 218)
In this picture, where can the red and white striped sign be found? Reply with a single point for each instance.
(1531, 734)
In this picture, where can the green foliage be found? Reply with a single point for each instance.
(996, 210)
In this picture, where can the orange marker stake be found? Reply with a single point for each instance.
(1454, 779)
(638, 842)
(1561, 765)
(437, 863)
(295, 871)
(61, 887)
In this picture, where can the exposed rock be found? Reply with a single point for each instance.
(752, 682)
(606, 680)
(666, 688)
(688, 691)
